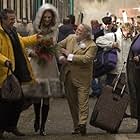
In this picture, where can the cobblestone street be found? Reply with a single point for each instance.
(59, 126)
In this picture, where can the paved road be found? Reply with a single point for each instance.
(59, 126)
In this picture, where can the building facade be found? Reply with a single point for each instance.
(26, 9)
(96, 9)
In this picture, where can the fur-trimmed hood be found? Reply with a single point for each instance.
(39, 15)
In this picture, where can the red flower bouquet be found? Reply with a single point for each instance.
(45, 50)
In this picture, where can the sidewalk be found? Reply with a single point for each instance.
(59, 125)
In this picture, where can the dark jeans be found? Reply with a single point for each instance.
(96, 87)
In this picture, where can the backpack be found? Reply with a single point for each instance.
(105, 61)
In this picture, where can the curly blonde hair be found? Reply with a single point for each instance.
(128, 26)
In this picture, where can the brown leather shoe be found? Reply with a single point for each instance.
(17, 132)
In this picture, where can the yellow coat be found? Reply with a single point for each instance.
(6, 52)
(81, 67)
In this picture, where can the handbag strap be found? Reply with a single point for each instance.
(9, 69)
(115, 36)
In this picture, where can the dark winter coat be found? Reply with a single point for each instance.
(133, 79)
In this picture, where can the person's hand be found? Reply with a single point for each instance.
(62, 60)
(45, 39)
(32, 54)
(116, 46)
(136, 58)
(65, 52)
(39, 38)
(8, 64)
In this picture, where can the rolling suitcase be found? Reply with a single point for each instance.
(110, 107)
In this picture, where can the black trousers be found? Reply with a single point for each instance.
(9, 114)
(137, 88)
(110, 78)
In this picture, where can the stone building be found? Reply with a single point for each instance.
(26, 9)
(84, 10)
(95, 9)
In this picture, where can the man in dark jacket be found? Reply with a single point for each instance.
(65, 29)
(107, 27)
(133, 76)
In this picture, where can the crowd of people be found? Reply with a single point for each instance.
(127, 36)
(72, 64)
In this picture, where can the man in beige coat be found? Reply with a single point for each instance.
(77, 54)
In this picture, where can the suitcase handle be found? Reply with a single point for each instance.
(118, 77)
(116, 97)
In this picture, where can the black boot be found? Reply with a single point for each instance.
(37, 116)
(45, 110)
